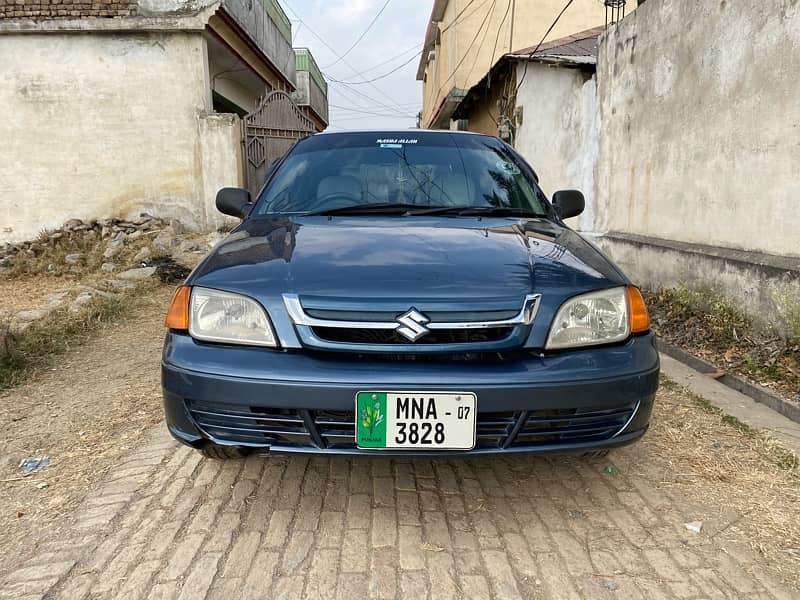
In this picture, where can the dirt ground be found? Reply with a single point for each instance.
(83, 414)
(29, 292)
(103, 399)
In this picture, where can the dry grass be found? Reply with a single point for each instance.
(27, 293)
(722, 464)
(708, 326)
(38, 346)
(86, 410)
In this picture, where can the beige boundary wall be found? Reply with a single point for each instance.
(698, 173)
(700, 122)
(109, 124)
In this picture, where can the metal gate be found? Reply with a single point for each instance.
(269, 131)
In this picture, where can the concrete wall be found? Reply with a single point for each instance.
(763, 286)
(221, 159)
(105, 125)
(559, 131)
(531, 20)
(700, 121)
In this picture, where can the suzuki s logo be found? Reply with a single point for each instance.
(412, 325)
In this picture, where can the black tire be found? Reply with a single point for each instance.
(594, 454)
(224, 452)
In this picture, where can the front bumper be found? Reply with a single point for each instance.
(287, 401)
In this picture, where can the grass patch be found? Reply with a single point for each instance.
(709, 326)
(43, 340)
(770, 449)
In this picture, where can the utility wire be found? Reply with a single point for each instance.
(491, 63)
(461, 12)
(466, 53)
(368, 112)
(494, 50)
(499, 29)
(383, 76)
(361, 37)
(395, 57)
(454, 22)
(351, 90)
(544, 37)
(336, 53)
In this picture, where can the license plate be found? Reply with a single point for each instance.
(416, 420)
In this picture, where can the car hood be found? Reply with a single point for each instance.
(405, 258)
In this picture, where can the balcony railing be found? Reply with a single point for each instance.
(269, 28)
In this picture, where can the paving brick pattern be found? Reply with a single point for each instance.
(167, 524)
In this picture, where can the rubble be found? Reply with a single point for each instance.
(137, 274)
(132, 251)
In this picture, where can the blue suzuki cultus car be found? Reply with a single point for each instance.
(406, 293)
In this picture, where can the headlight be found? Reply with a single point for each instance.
(590, 319)
(216, 316)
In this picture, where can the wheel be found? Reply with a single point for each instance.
(224, 452)
(596, 454)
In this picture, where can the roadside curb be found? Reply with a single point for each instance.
(733, 403)
(757, 392)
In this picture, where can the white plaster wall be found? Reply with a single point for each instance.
(700, 122)
(222, 166)
(558, 134)
(98, 126)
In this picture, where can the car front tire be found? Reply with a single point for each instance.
(224, 452)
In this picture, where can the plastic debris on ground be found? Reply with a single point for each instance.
(696, 526)
(33, 464)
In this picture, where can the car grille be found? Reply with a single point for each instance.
(414, 326)
(390, 336)
(332, 429)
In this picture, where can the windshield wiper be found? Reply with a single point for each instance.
(381, 208)
(495, 211)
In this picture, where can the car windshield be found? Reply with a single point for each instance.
(334, 172)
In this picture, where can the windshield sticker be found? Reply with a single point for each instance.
(507, 167)
(395, 142)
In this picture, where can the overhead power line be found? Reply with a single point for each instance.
(455, 20)
(486, 31)
(395, 57)
(336, 53)
(350, 91)
(466, 53)
(360, 37)
(544, 37)
(369, 112)
(384, 75)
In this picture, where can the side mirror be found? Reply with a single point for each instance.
(234, 202)
(568, 203)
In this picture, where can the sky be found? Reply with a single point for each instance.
(391, 102)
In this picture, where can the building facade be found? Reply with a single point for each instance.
(464, 39)
(133, 106)
(683, 141)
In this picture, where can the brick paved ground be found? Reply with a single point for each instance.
(168, 524)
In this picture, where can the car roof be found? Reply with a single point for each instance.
(402, 132)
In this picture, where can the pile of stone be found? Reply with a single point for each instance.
(114, 229)
(132, 251)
